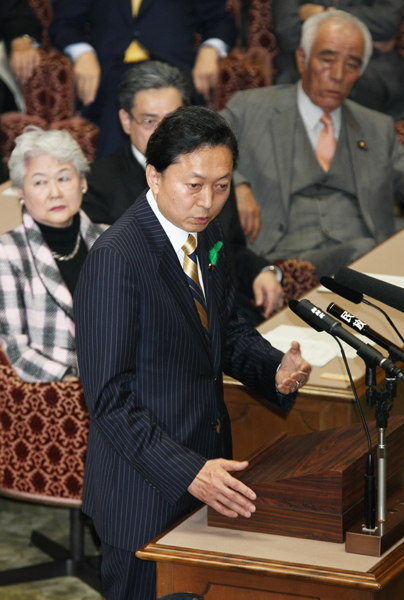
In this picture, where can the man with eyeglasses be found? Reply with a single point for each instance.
(148, 92)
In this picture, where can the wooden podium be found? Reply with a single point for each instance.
(312, 486)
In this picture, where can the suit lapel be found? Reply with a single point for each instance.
(208, 284)
(361, 163)
(169, 269)
(283, 129)
(46, 267)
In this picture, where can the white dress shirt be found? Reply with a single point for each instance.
(177, 236)
(311, 115)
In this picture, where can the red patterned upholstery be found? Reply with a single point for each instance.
(60, 87)
(253, 68)
(12, 124)
(241, 71)
(261, 30)
(43, 439)
(299, 277)
(83, 131)
(43, 10)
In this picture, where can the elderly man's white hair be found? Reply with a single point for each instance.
(313, 23)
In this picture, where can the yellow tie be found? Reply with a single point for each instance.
(191, 271)
(135, 52)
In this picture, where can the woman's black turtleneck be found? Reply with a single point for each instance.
(63, 240)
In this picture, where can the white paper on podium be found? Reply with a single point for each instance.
(318, 348)
(393, 279)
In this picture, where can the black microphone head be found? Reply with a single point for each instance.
(342, 290)
(293, 304)
(384, 292)
(301, 311)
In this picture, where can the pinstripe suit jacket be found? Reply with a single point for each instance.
(36, 307)
(152, 387)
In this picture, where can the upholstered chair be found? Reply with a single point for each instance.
(43, 440)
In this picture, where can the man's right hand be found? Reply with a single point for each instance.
(248, 211)
(87, 74)
(216, 487)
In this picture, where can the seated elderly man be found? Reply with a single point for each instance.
(147, 93)
(381, 85)
(324, 170)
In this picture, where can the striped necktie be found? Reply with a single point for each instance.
(135, 51)
(326, 144)
(191, 271)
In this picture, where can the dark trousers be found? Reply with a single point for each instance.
(126, 577)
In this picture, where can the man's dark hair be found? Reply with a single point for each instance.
(187, 129)
(151, 75)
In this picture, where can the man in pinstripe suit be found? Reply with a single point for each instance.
(153, 340)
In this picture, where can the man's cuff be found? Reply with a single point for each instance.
(219, 45)
(277, 271)
(74, 51)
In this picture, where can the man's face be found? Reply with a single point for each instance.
(192, 192)
(334, 64)
(149, 108)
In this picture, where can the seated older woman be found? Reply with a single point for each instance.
(40, 260)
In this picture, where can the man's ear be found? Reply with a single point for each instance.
(300, 60)
(124, 118)
(153, 179)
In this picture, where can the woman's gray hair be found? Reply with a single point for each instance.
(36, 142)
(313, 23)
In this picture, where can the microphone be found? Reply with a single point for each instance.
(387, 293)
(341, 290)
(364, 329)
(320, 321)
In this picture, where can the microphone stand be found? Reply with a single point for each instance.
(382, 401)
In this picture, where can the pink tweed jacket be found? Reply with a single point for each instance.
(36, 309)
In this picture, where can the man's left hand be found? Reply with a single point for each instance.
(268, 293)
(206, 71)
(294, 372)
(23, 58)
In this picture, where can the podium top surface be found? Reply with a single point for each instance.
(193, 542)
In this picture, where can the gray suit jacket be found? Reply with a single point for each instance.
(264, 121)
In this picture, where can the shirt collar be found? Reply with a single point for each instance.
(311, 113)
(177, 236)
(141, 159)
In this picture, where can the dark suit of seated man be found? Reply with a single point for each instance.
(156, 327)
(327, 204)
(147, 93)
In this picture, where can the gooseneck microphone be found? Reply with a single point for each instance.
(320, 321)
(379, 290)
(343, 315)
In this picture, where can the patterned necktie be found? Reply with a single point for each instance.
(191, 271)
(326, 144)
(135, 51)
